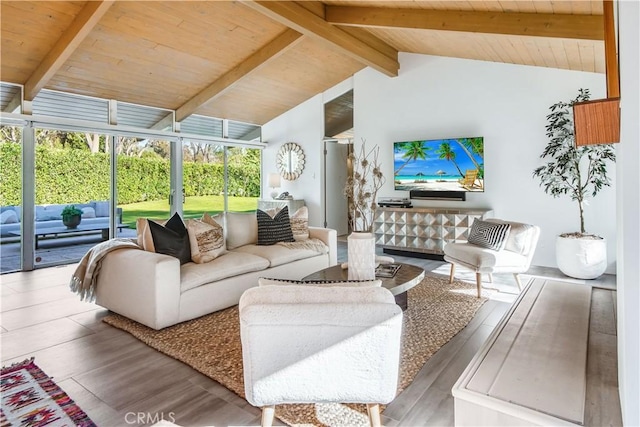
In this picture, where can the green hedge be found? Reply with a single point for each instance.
(79, 176)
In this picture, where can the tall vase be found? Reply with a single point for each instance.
(361, 247)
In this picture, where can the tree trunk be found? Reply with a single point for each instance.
(581, 216)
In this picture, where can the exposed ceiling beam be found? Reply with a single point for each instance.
(611, 51)
(81, 26)
(588, 27)
(271, 50)
(14, 104)
(294, 16)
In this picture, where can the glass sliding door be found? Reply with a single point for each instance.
(72, 193)
(10, 198)
(243, 178)
(143, 181)
(202, 178)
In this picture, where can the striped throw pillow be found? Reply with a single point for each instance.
(274, 230)
(489, 235)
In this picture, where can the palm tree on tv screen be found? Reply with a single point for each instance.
(412, 150)
(446, 152)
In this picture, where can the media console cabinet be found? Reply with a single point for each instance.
(423, 231)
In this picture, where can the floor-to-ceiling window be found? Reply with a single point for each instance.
(143, 180)
(203, 178)
(72, 196)
(243, 178)
(10, 198)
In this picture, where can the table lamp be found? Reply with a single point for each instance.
(274, 182)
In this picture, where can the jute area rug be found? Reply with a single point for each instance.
(211, 345)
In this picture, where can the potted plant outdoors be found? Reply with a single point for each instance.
(361, 189)
(579, 172)
(71, 216)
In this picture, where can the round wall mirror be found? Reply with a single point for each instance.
(290, 161)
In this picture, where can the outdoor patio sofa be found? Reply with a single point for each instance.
(156, 290)
(95, 214)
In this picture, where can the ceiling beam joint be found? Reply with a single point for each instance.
(293, 15)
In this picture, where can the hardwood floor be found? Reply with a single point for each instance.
(120, 381)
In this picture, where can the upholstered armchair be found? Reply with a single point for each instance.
(308, 344)
(494, 246)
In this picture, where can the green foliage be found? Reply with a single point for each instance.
(64, 175)
(69, 211)
(574, 171)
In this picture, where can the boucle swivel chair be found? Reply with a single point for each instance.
(311, 344)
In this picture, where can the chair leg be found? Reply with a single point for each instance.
(479, 283)
(490, 278)
(373, 409)
(268, 413)
(453, 270)
(518, 281)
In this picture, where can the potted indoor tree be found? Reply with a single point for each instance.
(578, 172)
(71, 216)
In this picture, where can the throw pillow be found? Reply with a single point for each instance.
(206, 239)
(488, 235)
(300, 224)
(265, 281)
(274, 230)
(172, 238)
(241, 228)
(144, 239)
(88, 212)
(8, 217)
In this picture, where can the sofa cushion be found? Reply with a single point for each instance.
(172, 238)
(266, 281)
(227, 265)
(8, 217)
(241, 228)
(49, 212)
(484, 258)
(88, 212)
(101, 208)
(489, 235)
(274, 230)
(206, 238)
(277, 254)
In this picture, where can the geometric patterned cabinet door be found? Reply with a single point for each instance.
(424, 230)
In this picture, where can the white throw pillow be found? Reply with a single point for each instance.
(8, 217)
(265, 281)
(242, 229)
(88, 212)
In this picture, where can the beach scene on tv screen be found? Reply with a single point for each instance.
(451, 164)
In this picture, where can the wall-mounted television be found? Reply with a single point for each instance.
(439, 165)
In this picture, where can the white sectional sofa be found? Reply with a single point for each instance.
(155, 290)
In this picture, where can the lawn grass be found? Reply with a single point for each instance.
(193, 207)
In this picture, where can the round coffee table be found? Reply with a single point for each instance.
(405, 278)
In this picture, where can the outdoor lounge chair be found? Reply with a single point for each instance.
(469, 180)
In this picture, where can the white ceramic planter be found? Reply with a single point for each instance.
(361, 248)
(581, 258)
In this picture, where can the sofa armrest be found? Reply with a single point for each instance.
(143, 286)
(330, 237)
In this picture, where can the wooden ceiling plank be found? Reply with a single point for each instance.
(271, 50)
(588, 27)
(300, 19)
(88, 17)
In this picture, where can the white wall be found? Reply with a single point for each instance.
(303, 125)
(437, 97)
(628, 194)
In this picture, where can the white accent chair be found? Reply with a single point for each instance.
(308, 344)
(515, 258)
